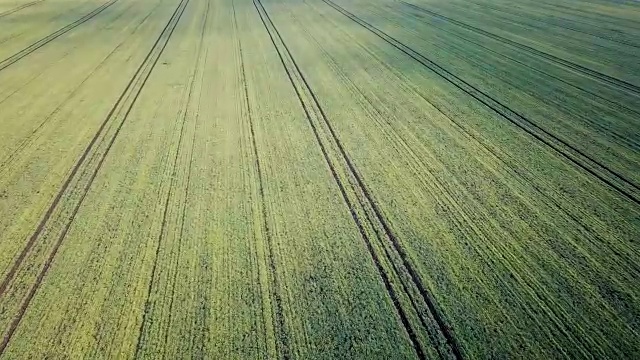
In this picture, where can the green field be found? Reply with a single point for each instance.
(320, 179)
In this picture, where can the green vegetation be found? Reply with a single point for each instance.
(319, 179)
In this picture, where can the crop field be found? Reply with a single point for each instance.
(320, 179)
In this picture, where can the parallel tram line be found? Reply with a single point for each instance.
(171, 25)
(343, 191)
(619, 106)
(374, 215)
(617, 135)
(282, 342)
(557, 318)
(566, 63)
(610, 177)
(121, 108)
(18, 8)
(278, 322)
(182, 220)
(423, 318)
(557, 22)
(201, 320)
(601, 16)
(461, 222)
(36, 133)
(56, 34)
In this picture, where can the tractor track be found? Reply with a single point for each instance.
(634, 89)
(554, 21)
(373, 215)
(341, 186)
(122, 109)
(614, 104)
(172, 187)
(200, 320)
(42, 70)
(617, 135)
(580, 159)
(589, 14)
(54, 35)
(458, 218)
(424, 320)
(282, 345)
(35, 133)
(18, 8)
(183, 216)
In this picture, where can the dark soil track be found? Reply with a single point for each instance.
(122, 107)
(54, 35)
(579, 158)
(569, 64)
(18, 8)
(374, 216)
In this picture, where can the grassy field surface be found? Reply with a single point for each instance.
(319, 179)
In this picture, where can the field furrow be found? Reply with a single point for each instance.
(54, 225)
(446, 186)
(603, 172)
(51, 37)
(18, 8)
(319, 179)
(24, 34)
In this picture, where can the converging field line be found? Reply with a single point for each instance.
(123, 106)
(172, 185)
(13, 155)
(569, 64)
(18, 8)
(364, 197)
(533, 68)
(608, 176)
(283, 348)
(49, 38)
(374, 256)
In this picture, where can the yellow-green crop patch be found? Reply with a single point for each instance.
(302, 179)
